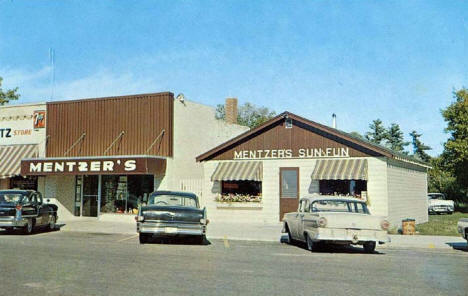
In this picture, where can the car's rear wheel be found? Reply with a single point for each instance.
(290, 238)
(311, 245)
(201, 239)
(369, 247)
(144, 238)
(28, 229)
(52, 221)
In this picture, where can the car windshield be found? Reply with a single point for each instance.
(10, 197)
(339, 206)
(436, 196)
(173, 200)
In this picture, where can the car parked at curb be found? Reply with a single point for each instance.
(25, 210)
(462, 227)
(437, 203)
(172, 213)
(335, 220)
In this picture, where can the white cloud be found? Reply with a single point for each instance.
(35, 86)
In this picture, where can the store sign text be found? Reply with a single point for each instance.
(8, 132)
(80, 166)
(290, 153)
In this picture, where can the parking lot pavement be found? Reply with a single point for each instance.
(258, 232)
(72, 263)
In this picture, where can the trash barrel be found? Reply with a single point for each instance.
(408, 226)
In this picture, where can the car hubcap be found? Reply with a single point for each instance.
(52, 222)
(29, 225)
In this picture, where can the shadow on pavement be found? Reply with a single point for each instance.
(459, 246)
(178, 241)
(37, 230)
(330, 248)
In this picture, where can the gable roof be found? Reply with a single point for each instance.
(365, 144)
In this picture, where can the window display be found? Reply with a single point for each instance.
(123, 194)
(354, 188)
(240, 191)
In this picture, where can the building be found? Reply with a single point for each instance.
(104, 156)
(22, 135)
(259, 175)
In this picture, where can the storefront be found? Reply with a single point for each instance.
(261, 174)
(104, 156)
(114, 184)
(22, 135)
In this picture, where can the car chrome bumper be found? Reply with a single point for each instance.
(170, 229)
(11, 221)
(353, 236)
(441, 210)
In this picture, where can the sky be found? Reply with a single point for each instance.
(399, 61)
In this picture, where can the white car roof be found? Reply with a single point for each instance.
(312, 198)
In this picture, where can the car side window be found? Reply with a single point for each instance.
(34, 198)
(26, 199)
(306, 206)
(39, 198)
(301, 206)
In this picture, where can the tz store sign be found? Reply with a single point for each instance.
(24, 129)
(290, 153)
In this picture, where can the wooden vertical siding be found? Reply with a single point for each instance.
(276, 136)
(141, 117)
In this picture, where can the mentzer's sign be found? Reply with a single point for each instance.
(92, 166)
(290, 153)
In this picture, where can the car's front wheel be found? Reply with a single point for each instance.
(290, 238)
(369, 247)
(28, 229)
(52, 221)
(144, 238)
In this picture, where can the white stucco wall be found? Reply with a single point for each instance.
(270, 210)
(196, 130)
(61, 191)
(377, 187)
(407, 193)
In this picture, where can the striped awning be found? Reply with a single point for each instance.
(340, 169)
(238, 171)
(10, 158)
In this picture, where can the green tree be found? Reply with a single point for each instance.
(356, 135)
(395, 140)
(455, 153)
(248, 114)
(377, 132)
(419, 149)
(440, 179)
(8, 95)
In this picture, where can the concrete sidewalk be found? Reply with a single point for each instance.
(258, 232)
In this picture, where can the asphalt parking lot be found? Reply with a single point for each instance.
(69, 263)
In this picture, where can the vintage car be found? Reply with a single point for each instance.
(171, 213)
(24, 209)
(462, 227)
(337, 220)
(437, 203)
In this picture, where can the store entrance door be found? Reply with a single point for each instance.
(90, 200)
(289, 190)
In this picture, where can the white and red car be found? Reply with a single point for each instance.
(335, 220)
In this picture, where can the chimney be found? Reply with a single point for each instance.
(334, 120)
(231, 110)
